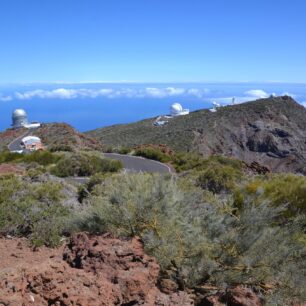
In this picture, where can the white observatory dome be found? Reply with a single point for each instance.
(19, 118)
(19, 112)
(176, 109)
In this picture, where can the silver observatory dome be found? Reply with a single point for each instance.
(19, 118)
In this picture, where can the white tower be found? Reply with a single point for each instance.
(19, 118)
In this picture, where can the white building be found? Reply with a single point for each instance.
(216, 106)
(176, 109)
(20, 119)
(31, 143)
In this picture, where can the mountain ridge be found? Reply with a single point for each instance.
(269, 131)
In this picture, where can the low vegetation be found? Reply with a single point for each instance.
(64, 164)
(41, 157)
(32, 210)
(85, 164)
(152, 153)
(211, 243)
(213, 223)
(287, 190)
(219, 175)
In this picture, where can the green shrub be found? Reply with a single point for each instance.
(152, 153)
(34, 170)
(85, 190)
(6, 157)
(277, 190)
(41, 157)
(82, 164)
(61, 148)
(123, 150)
(144, 205)
(195, 162)
(32, 210)
(247, 249)
(217, 178)
(209, 243)
(108, 149)
(226, 161)
(186, 161)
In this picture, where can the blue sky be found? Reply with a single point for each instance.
(153, 40)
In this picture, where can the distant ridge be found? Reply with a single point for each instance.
(269, 131)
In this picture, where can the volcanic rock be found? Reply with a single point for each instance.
(86, 271)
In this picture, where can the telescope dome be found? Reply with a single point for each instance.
(20, 118)
(176, 109)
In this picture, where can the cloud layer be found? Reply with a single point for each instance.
(64, 93)
(257, 93)
(200, 93)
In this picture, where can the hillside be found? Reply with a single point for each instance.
(269, 131)
(54, 136)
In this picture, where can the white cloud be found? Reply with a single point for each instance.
(163, 92)
(199, 93)
(64, 93)
(257, 93)
(304, 103)
(60, 93)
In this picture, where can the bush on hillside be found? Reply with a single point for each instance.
(32, 210)
(152, 153)
(7, 156)
(119, 150)
(85, 190)
(219, 175)
(83, 164)
(196, 162)
(143, 205)
(248, 249)
(61, 148)
(123, 150)
(219, 178)
(35, 170)
(41, 157)
(208, 243)
(278, 190)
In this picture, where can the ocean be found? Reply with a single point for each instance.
(87, 106)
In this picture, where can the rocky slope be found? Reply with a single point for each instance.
(54, 136)
(271, 132)
(97, 271)
(86, 271)
(62, 134)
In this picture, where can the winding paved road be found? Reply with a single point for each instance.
(140, 164)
